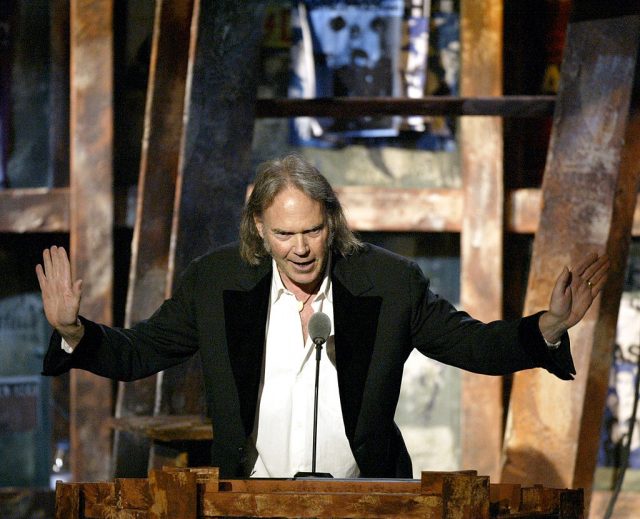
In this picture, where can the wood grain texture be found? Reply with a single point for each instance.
(589, 193)
(482, 226)
(91, 219)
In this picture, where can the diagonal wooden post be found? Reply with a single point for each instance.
(217, 165)
(589, 193)
(171, 55)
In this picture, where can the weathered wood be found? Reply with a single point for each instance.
(424, 210)
(91, 220)
(216, 159)
(34, 210)
(523, 210)
(482, 230)
(348, 107)
(589, 193)
(161, 145)
(198, 492)
(68, 500)
(173, 495)
(397, 209)
(165, 428)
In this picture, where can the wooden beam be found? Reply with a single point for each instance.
(161, 147)
(589, 193)
(91, 220)
(217, 159)
(396, 209)
(482, 226)
(407, 209)
(347, 107)
(34, 210)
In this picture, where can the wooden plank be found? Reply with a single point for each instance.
(523, 210)
(161, 145)
(347, 107)
(68, 500)
(589, 193)
(217, 159)
(422, 210)
(34, 210)
(165, 428)
(397, 209)
(191, 492)
(325, 505)
(91, 220)
(481, 237)
(173, 495)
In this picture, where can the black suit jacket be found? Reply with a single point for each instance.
(383, 308)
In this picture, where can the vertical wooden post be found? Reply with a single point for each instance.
(91, 219)
(482, 225)
(589, 194)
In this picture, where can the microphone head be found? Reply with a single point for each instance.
(319, 327)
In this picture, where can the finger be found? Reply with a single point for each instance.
(597, 286)
(602, 263)
(588, 260)
(600, 275)
(42, 280)
(563, 281)
(55, 262)
(46, 261)
(61, 266)
(77, 288)
(65, 266)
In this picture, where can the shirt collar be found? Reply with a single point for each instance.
(278, 288)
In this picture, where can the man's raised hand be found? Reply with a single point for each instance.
(60, 294)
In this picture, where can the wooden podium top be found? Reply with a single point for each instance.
(196, 493)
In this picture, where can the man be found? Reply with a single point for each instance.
(245, 308)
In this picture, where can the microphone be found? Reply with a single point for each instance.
(319, 328)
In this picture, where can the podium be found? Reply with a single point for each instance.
(198, 493)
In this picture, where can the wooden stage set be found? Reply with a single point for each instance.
(194, 493)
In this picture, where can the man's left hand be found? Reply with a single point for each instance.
(572, 295)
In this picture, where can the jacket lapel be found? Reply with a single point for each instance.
(355, 323)
(245, 315)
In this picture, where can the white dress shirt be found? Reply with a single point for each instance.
(283, 434)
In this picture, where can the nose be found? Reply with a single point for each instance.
(300, 246)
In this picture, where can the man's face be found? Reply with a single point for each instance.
(296, 235)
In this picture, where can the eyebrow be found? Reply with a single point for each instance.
(318, 227)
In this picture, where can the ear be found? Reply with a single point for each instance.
(259, 225)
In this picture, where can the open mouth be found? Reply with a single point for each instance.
(303, 265)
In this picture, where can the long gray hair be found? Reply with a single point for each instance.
(274, 176)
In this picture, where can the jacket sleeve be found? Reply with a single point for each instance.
(453, 337)
(167, 338)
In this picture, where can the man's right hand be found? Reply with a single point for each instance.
(60, 294)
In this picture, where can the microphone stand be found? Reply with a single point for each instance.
(313, 474)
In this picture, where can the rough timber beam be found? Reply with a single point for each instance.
(217, 158)
(589, 194)
(171, 54)
(91, 219)
(482, 225)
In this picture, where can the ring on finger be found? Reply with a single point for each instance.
(589, 284)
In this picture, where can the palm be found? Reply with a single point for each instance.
(60, 295)
(575, 290)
